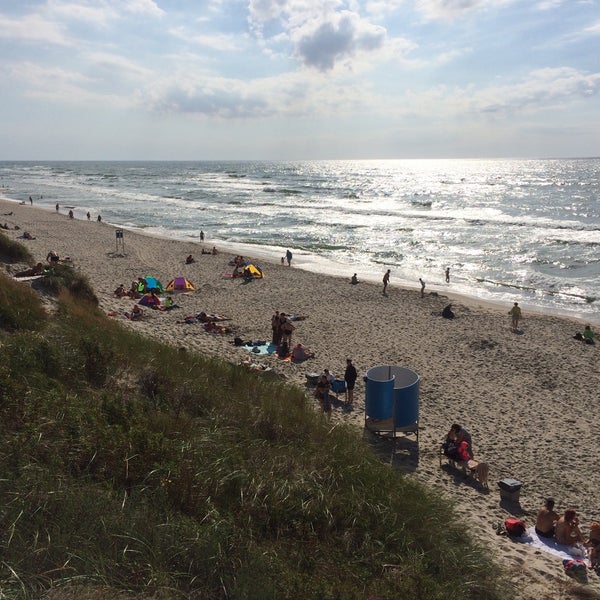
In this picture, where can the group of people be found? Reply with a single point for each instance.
(327, 382)
(565, 530)
(282, 330)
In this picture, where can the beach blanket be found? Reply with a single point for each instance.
(261, 349)
(549, 545)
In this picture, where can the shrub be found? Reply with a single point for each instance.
(20, 306)
(13, 252)
(65, 277)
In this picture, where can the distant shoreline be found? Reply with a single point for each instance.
(337, 271)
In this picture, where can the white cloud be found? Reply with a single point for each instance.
(455, 9)
(544, 88)
(594, 28)
(33, 28)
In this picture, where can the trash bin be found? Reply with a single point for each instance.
(510, 489)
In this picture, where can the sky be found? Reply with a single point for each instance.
(298, 79)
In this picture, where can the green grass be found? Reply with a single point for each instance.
(13, 252)
(129, 469)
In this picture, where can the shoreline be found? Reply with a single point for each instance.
(528, 399)
(328, 268)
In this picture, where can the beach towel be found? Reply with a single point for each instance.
(551, 546)
(261, 349)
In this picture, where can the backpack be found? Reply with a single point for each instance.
(515, 527)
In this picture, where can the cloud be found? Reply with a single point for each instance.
(594, 28)
(454, 9)
(544, 88)
(342, 36)
(92, 11)
(318, 35)
(33, 28)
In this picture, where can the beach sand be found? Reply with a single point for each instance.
(529, 399)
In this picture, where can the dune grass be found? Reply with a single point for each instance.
(129, 469)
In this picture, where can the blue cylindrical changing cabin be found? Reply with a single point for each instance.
(392, 393)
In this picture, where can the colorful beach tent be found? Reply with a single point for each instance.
(149, 300)
(253, 270)
(153, 284)
(179, 283)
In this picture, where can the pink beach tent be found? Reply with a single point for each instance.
(180, 283)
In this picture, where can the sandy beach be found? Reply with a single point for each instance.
(528, 398)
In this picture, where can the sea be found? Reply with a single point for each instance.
(508, 230)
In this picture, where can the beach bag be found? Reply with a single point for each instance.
(576, 568)
(515, 527)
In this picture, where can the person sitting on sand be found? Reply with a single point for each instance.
(593, 545)
(588, 335)
(300, 353)
(120, 291)
(354, 279)
(27, 236)
(322, 394)
(283, 350)
(454, 439)
(189, 260)
(545, 524)
(170, 303)
(567, 529)
(214, 250)
(136, 314)
(32, 272)
(447, 312)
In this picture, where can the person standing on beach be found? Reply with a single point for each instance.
(386, 280)
(515, 313)
(276, 328)
(201, 235)
(288, 256)
(350, 376)
(88, 215)
(57, 207)
(422, 287)
(447, 274)
(31, 200)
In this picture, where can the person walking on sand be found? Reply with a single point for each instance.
(447, 274)
(386, 280)
(515, 313)
(288, 256)
(422, 287)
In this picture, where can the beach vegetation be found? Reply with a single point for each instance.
(130, 469)
(64, 278)
(13, 252)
